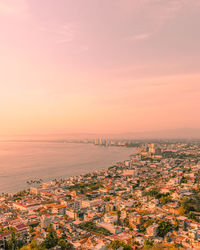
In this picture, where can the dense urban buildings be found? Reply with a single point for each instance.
(150, 201)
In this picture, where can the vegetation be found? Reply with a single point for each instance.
(144, 224)
(189, 205)
(34, 245)
(148, 244)
(117, 244)
(118, 217)
(84, 188)
(178, 155)
(15, 242)
(164, 228)
(34, 182)
(65, 245)
(90, 226)
(166, 199)
(163, 197)
(20, 194)
(163, 247)
(184, 179)
(51, 240)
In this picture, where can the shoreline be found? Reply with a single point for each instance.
(76, 173)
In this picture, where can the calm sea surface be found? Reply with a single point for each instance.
(23, 161)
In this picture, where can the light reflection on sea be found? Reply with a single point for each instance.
(23, 161)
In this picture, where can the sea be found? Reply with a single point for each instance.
(24, 161)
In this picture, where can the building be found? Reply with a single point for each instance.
(111, 228)
(59, 209)
(129, 172)
(26, 206)
(152, 230)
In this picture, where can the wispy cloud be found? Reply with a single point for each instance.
(67, 33)
(14, 8)
(141, 36)
(155, 14)
(64, 33)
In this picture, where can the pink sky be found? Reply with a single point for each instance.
(103, 66)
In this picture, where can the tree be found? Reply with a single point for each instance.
(34, 245)
(164, 228)
(117, 244)
(69, 246)
(68, 196)
(14, 242)
(165, 200)
(148, 244)
(184, 179)
(176, 224)
(91, 226)
(62, 243)
(31, 229)
(118, 217)
(51, 240)
(181, 210)
(65, 245)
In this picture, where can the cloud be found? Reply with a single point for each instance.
(14, 8)
(141, 36)
(64, 33)
(67, 33)
(150, 16)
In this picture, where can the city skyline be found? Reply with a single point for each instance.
(98, 66)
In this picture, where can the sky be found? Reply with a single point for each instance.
(98, 66)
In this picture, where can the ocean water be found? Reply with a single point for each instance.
(23, 161)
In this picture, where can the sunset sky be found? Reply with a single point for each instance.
(99, 66)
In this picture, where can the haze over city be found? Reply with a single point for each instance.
(99, 124)
(99, 66)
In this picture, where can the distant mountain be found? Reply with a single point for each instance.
(182, 133)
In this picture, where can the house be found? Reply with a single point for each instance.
(110, 227)
(4, 237)
(152, 230)
(58, 209)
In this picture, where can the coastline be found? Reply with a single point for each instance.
(76, 169)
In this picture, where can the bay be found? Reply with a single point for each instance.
(23, 161)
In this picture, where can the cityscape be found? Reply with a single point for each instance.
(149, 201)
(99, 124)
